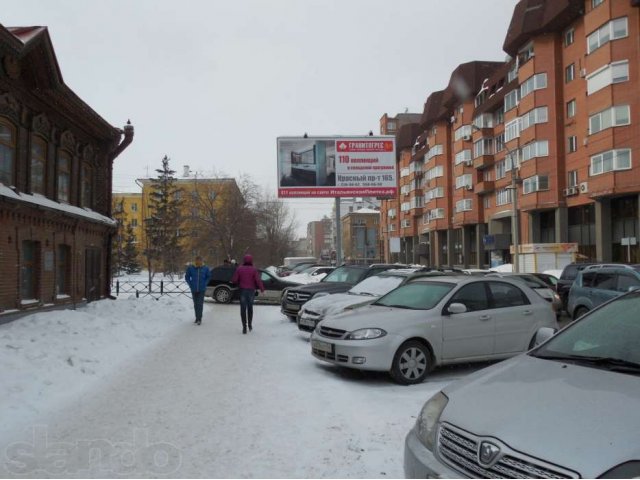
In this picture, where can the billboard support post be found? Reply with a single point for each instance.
(338, 233)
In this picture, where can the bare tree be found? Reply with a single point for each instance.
(275, 229)
(222, 223)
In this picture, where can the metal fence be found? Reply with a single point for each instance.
(154, 288)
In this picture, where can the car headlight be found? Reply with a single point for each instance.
(427, 423)
(366, 334)
(320, 294)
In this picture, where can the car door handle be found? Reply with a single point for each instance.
(527, 312)
(485, 317)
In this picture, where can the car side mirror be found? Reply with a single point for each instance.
(457, 308)
(543, 334)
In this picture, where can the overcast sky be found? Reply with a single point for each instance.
(212, 83)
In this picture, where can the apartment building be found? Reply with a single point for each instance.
(542, 145)
(56, 157)
(320, 239)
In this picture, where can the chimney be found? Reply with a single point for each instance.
(185, 173)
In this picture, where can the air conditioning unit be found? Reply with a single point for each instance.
(567, 192)
(584, 187)
(469, 187)
(453, 119)
(468, 163)
(466, 138)
(583, 72)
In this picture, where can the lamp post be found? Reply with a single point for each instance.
(515, 218)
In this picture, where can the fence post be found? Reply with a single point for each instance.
(161, 287)
(117, 287)
(137, 293)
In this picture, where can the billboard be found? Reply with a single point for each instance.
(337, 167)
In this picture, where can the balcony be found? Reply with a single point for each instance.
(483, 161)
(482, 188)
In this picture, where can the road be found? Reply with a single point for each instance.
(207, 401)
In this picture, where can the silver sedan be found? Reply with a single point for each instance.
(429, 322)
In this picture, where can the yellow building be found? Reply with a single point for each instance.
(208, 206)
(131, 210)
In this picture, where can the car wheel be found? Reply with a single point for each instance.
(292, 318)
(222, 295)
(579, 312)
(411, 363)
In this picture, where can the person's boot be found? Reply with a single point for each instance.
(250, 325)
(244, 327)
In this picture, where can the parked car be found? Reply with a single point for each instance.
(338, 281)
(550, 280)
(569, 274)
(285, 271)
(310, 274)
(566, 409)
(222, 290)
(537, 285)
(597, 284)
(363, 293)
(428, 322)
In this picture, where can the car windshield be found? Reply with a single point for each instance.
(608, 337)
(531, 281)
(300, 268)
(377, 285)
(416, 295)
(344, 274)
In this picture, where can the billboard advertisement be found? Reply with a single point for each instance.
(337, 167)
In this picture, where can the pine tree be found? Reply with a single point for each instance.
(130, 263)
(117, 242)
(163, 226)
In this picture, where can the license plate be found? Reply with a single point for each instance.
(307, 322)
(322, 346)
(293, 306)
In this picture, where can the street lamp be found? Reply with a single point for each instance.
(515, 218)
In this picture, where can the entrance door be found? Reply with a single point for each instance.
(93, 270)
(29, 270)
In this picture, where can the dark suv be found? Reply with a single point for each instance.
(338, 281)
(568, 275)
(222, 290)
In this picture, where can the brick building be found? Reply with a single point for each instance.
(56, 157)
(360, 239)
(543, 143)
(320, 239)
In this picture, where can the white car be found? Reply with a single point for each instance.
(310, 275)
(429, 322)
(363, 293)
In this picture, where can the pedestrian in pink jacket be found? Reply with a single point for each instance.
(247, 277)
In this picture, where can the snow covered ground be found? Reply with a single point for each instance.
(132, 388)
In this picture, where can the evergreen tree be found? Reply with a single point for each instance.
(117, 242)
(163, 249)
(130, 263)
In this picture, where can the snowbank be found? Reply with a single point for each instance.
(50, 356)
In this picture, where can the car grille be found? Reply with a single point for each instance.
(311, 313)
(332, 332)
(331, 356)
(460, 450)
(298, 296)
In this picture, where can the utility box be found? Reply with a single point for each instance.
(538, 257)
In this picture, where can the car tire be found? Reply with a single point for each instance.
(580, 311)
(222, 295)
(411, 363)
(292, 318)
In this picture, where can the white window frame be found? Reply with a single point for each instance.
(570, 110)
(533, 117)
(537, 183)
(569, 37)
(504, 196)
(620, 160)
(616, 116)
(608, 75)
(511, 130)
(539, 148)
(463, 156)
(533, 83)
(484, 120)
(572, 144)
(463, 131)
(511, 99)
(404, 172)
(607, 33)
(433, 151)
(463, 181)
(435, 172)
(569, 73)
(464, 205)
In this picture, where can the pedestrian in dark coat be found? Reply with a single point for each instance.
(247, 277)
(197, 276)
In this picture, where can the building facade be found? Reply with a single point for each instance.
(56, 158)
(542, 148)
(320, 239)
(360, 240)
